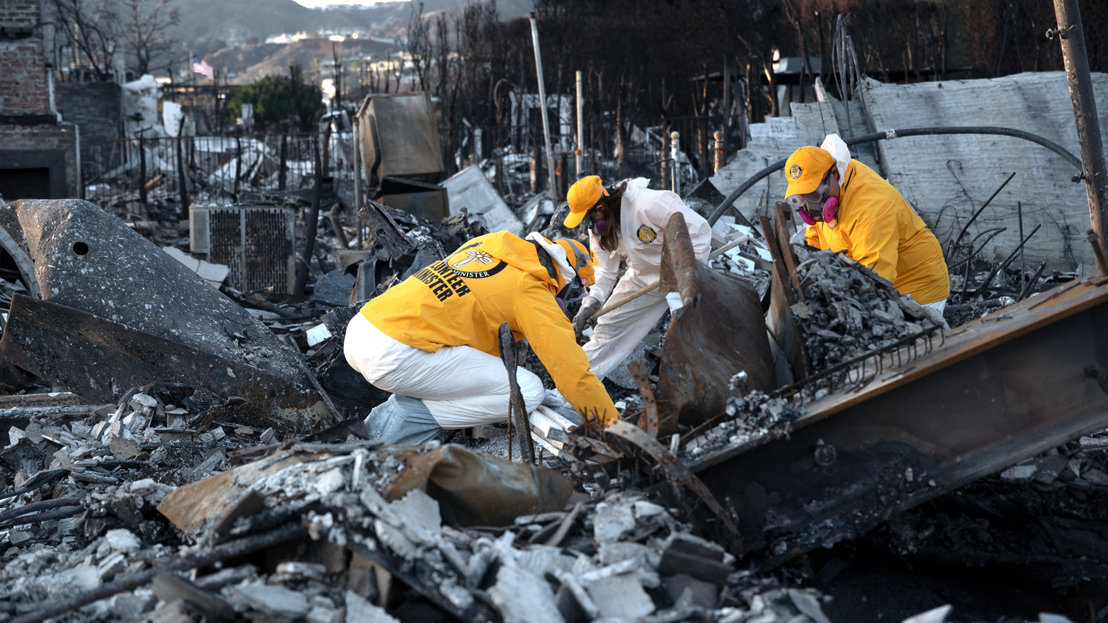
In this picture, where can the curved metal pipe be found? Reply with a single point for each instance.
(891, 134)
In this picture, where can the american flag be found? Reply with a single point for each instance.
(200, 66)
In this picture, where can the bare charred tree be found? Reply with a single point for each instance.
(418, 46)
(145, 26)
(86, 36)
(638, 58)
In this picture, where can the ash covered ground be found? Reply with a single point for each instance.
(81, 485)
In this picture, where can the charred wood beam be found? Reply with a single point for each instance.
(39, 480)
(12, 516)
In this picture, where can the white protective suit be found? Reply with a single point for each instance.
(643, 217)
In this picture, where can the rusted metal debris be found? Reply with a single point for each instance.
(1001, 389)
(717, 331)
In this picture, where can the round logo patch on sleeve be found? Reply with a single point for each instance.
(647, 234)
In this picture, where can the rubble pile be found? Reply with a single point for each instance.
(749, 260)
(613, 555)
(751, 415)
(845, 310)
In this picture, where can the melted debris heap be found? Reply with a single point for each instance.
(846, 310)
(85, 535)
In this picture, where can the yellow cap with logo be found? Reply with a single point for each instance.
(805, 168)
(582, 196)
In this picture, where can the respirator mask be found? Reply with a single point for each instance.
(600, 228)
(828, 210)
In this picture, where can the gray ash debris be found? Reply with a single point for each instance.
(845, 310)
(751, 414)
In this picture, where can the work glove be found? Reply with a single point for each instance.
(584, 315)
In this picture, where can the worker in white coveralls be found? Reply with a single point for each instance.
(433, 339)
(626, 224)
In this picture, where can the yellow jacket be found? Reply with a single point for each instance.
(463, 300)
(877, 227)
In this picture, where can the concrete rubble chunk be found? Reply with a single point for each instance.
(272, 600)
(123, 448)
(612, 520)
(687, 591)
(330, 482)
(521, 597)
(358, 610)
(573, 600)
(807, 604)
(112, 565)
(122, 540)
(690, 555)
(620, 597)
(936, 615)
(419, 513)
(1019, 473)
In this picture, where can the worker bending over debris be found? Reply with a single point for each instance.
(849, 207)
(626, 224)
(432, 340)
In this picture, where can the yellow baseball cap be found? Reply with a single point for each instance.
(805, 168)
(582, 196)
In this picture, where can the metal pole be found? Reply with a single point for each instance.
(142, 173)
(305, 266)
(358, 178)
(1072, 37)
(542, 107)
(675, 154)
(580, 122)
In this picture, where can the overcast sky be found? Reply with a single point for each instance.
(315, 4)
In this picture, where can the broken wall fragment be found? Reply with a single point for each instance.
(144, 309)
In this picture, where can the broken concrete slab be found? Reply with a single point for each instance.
(947, 178)
(471, 191)
(273, 600)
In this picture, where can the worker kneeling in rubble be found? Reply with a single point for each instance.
(626, 224)
(432, 340)
(849, 207)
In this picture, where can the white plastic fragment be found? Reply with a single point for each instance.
(317, 334)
